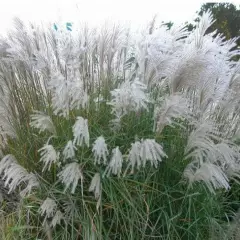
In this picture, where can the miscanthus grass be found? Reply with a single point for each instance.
(112, 135)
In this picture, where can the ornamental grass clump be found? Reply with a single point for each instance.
(114, 135)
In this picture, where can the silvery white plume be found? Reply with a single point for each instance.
(205, 21)
(174, 107)
(95, 185)
(59, 88)
(151, 151)
(49, 156)
(139, 96)
(80, 132)
(42, 122)
(202, 59)
(100, 150)
(32, 182)
(227, 155)
(69, 150)
(7, 128)
(214, 161)
(211, 174)
(201, 142)
(96, 188)
(156, 51)
(147, 150)
(70, 176)
(14, 175)
(48, 208)
(115, 164)
(6, 162)
(130, 96)
(79, 97)
(134, 156)
(68, 94)
(57, 218)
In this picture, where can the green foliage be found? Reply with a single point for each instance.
(151, 203)
(227, 17)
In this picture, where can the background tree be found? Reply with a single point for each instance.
(227, 17)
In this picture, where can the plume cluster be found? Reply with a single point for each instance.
(88, 79)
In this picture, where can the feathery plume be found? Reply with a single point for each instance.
(48, 208)
(6, 162)
(14, 176)
(42, 122)
(57, 219)
(141, 152)
(214, 160)
(80, 132)
(100, 150)
(115, 164)
(134, 156)
(95, 185)
(59, 87)
(201, 144)
(32, 182)
(130, 96)
(211, 174)
(69, 151)
(48, 155)
(79, 97)
(70, 175)
(151, 151)
(174, 107)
